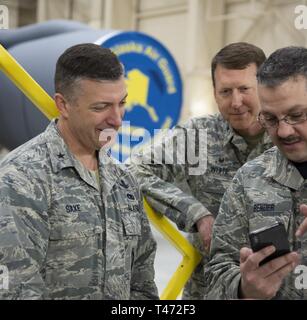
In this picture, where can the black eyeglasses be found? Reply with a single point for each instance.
(269, 121)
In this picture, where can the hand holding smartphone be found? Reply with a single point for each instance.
(275, 235)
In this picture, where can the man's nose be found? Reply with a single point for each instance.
(115, 116)
(284, 129)
(236, 99)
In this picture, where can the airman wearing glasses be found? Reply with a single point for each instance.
(271, 188)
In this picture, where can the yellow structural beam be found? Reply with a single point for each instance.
(40, 98)
(19, 76)
(191, 256)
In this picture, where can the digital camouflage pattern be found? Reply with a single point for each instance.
(61, 238)
(266, 190)
(185, 198)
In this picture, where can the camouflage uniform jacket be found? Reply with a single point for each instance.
(266, 190)
(63, 238)
(225, 153)
(184, 197)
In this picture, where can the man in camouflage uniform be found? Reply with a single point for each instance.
(191, 199)
(72, 220)
(271, 188)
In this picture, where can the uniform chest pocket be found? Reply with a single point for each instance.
(131, 223)
(266, 214)
(73, 231)
(71, 244)
(73, 256)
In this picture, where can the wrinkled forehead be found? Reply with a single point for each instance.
(91, 91)
(235, 77)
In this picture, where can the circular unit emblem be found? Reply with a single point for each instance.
(154, 88)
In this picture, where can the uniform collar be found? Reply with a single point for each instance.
(110, 171)
(227, 132)
(267, 142)
(283, 171)
(230, 136)
(60, 155)
(62, 158)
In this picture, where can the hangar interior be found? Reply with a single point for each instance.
(192, 30)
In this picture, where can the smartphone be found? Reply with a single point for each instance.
(275, 235)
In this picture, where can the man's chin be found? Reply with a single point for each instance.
(244, 123)
(240, 125)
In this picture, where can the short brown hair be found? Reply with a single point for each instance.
(85, 61)
(237, 56)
